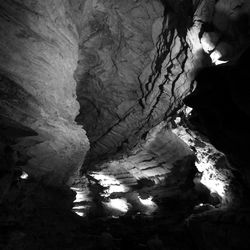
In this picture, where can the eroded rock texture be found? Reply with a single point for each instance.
(38, 56)
(133, 70)
(138, 60)
(214, 101)
(165, 160)
(133, 63)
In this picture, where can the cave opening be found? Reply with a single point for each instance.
(124, 125)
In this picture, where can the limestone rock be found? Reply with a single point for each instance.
(134, 68)
(128, 64)
(38, 56)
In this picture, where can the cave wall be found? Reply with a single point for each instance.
(163, 160)
(138, 61)
(38, 56)
(129, 65)
(134, 68)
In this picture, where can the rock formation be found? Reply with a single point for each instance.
(133, 70)
(128, 66)
(39, 52)
(95, 86)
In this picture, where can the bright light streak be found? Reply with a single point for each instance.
(117, 204)
(78, 207)
(80, 196)
(218, 62)
(177, 120)
(147, 202)
(149, 206)
(24, 176)
(210, 176)
(117, 188)
(79, 213)
(188, 110)
(111, 183)
(202, 164)
(213, 183)
(215, 56)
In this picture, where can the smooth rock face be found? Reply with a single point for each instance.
(38, 56)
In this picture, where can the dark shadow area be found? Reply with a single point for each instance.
(220, 105)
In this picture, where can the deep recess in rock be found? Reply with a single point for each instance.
(141, 108)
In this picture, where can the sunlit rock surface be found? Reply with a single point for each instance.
(38, 56)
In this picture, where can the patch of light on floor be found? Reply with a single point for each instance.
(146, 202)
(119, 204)
(79, 213)
(78, 207)
(150, 206)
(24, 176)
(111, 183)
(81, 196)
(218, 62)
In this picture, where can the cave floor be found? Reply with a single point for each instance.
(37, 217)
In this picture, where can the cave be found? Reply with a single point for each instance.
(124, 124)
